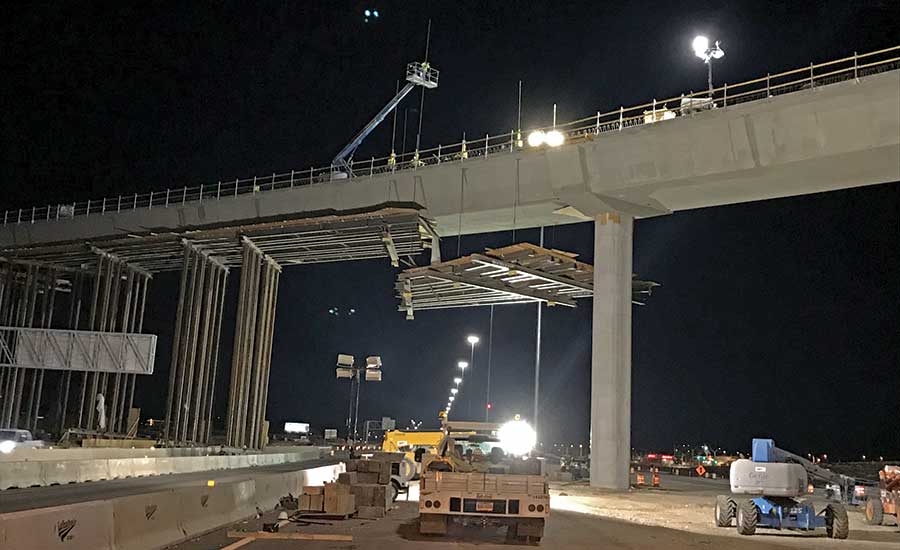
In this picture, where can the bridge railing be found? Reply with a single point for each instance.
(655, 111)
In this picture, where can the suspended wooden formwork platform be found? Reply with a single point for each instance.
(515, 274)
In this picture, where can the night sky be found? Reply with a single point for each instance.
(777, 318)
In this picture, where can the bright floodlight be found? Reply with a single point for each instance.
(717, 52)
(463, 365)
(457, 380)
(451, 398)
(7, 447)
(700, 45)
(517, 437)
(454, 391)
(554, 138)
(536, 138)
(472, 339)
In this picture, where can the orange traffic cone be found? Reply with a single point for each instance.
(656, 478)
(641, 480)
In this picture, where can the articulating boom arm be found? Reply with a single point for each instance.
(417, 74)
(764, 450)
(342, 158)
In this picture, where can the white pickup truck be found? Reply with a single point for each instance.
(12, 439)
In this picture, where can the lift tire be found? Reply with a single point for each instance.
(395, 490)
(837, 522)
(747, 516)
(874, 511)
(724, 511)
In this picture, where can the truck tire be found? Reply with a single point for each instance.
(837, 522)
(874, 511)
(725, 507)
(394, 489)
(747, 516)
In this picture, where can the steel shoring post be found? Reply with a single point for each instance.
(199, 389)
(198, 430)
(238, 348)
(215, 357)
(47, 320)
(176, 342)
(118, 394)
(74, 314)
(10, 296)
(259, 338)
(139, 327)
(186, 342)
(111, 271)
(108, 322)
(28, 315)
(250, 314)
(197, 297)
(265, 346)
(92, 317)
(131, 299)
(269, 341)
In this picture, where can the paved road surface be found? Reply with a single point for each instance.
(12, 500)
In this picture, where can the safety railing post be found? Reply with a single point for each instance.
(855, 67)
(48, 212)
(103, 206)
(20, 213)
(167, 198)
(134, 204)
(273, 182)
(237, 182)
(439, 153)
(292, 179)
(597, 125)
(486, 145)
(184, 196)
(812, 82)
(621, 114)
(201, 193)
(219, 190)
(57, 214)
(768, 85)
(725, 95)
(33, 210)
(372, 167)
(150, 202)
(654, 109)
(311, 170)
(254, 184)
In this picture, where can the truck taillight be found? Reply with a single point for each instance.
(859, 491)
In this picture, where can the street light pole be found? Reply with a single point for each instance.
(471, 339)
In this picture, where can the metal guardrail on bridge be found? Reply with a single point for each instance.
(805, 78)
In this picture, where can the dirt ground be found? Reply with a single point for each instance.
(688, 505)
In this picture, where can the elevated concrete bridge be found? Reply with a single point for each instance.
(819, 128)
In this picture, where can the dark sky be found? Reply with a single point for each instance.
(776, 318)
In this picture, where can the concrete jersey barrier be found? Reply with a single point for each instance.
(153, 520)
(41, 473)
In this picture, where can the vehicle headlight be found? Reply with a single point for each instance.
(7, 446)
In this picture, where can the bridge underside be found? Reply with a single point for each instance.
(362, 235)
(102, 286)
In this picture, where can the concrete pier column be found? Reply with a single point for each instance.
(611, 352)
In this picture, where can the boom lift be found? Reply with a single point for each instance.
(775, 480)
(417, 74)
